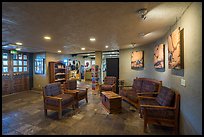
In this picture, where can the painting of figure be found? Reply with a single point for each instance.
(137, 59)
(174, 50)
(159, 56)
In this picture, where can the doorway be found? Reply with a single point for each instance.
(112, 69)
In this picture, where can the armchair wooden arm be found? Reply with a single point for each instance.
(146, 97)
(147, 93)
(53, 98)
(86, 88)
(159, 107)
(127, 86)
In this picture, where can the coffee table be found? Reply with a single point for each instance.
(111, 102)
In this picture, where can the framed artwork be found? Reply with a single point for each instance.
(137, 59)
(39, 66)
(174, 49)
(159, 56)
(87, 63)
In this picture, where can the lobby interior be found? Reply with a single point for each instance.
(82, 35)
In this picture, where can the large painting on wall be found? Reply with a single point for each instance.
(159, 56)
(137, 59)
(174, 50)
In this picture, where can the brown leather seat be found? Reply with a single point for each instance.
(108, 85)
(54, 99)
(162, 109)
(80, 93)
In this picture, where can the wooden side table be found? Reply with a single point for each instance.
(111, 101)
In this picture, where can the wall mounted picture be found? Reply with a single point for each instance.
(137, 59)
(159, 56)
(174, 49)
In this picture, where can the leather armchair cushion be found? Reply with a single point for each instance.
(149, 102)
(66, 99)
(165, 97)
(52, 89)
(137, 85)
(82, 93)
(106, 87)
(71, 84)
(160, 113)
(148, 86)
(132, 95)
(124, 92)
(109, 80)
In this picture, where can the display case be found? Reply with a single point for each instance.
(58, 72)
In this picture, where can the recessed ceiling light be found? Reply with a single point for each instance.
(47, 37)
(141, 34)
(19, 43)
(92, 39)
(106, 46)
(82, 48)
(59, 51)
(18, 49)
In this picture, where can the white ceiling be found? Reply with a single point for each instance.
(71, 24)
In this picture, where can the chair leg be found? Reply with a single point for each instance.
(73, 106)
(140, 113)
(77, 104)
(60, 114)
(86, 99)
(145, 126)
(45, 112)
(176, 129)
(145, 123)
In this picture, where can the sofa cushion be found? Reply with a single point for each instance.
(109, 80)
(106, 87)
(66, 99)
(52, 89)
(124, 92)
(160, 113)
(132, 95)
(165, 96)
(71, 84)
(82, 93)
(137, 85)
(148, 102)
(148, 86)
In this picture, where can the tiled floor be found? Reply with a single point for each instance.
(22, 114)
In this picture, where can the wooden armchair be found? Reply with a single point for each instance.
(54, 99)
(162, 109)
(109, 84)
(80, 93)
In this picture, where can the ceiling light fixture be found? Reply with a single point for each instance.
(133, 44)
(82, 48)
(142, 12)
(141, 34)
(18, 49)
(92, 39)
(59, 51)
(47, 37)
(106, 46)
(19, 43)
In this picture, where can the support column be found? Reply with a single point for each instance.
(98, 61)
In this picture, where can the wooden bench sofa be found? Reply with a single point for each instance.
(144, 85)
